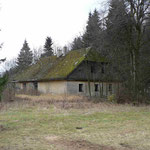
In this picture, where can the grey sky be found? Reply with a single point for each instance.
(36, 19)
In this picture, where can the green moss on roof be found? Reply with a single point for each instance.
(95, 56)
(67, 64)
(36, 71)
(58, 67)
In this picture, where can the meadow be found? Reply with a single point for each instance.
(72, 123)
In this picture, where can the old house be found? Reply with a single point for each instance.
(80, 72)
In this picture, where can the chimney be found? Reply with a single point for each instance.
(65, 50)
(59, 52)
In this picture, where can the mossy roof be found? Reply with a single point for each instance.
(54, 68)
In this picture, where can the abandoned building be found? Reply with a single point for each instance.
(80, 72)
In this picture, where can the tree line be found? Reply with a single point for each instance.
(26, 57)
(123, 36)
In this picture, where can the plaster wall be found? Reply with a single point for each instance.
(103, 88)
(72, 87)
(53, 87)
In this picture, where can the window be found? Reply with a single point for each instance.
(96, 87)
(79, 70)
(35, 85)
(110, 87)
(24, 86)
(80, 87)
(92, 69)
(102, 70)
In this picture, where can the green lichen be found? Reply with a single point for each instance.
(53, 67)
(36, 71)
(66, 64)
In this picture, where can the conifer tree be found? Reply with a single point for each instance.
(48, 50)
(3, 82)
(125, 39)
(91, 37)
(77, 43)
(25, 56)
(117, 23)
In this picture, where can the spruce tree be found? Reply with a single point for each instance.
(124, 37)
(117, 23)
(91, 37)
(3, 82)
(117, 39)
(77, 43)
(48, 50)
(25, 56)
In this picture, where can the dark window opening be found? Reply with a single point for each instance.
(35, 85)
(110, 87)
(92, 69)
(24, 86)
(80, 87)
(96, 87)
(102, 70)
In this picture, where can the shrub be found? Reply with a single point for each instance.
(112, 98)
(3, 82)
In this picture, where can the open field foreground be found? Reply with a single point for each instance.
(32, 123)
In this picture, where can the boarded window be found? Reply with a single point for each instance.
(24, 86)
(96, 87)
(110, 87)
(80, 87)
(35, 85)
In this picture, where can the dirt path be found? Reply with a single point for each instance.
(79, 145)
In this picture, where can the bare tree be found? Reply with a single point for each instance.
(37, 52)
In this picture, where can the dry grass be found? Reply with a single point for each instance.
(72, 123)
(50, 97)
(76, 102)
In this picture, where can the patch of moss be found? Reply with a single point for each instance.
(66, 64)
(36, 71)
(58, 67)
(95, 56)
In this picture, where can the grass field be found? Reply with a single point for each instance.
(73, 125)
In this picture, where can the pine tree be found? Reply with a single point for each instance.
(117, 23)
(48, 50)
(124, 37)
(3, 82)
(77, 43)
(91, 37)
(115, 40)
(116, 32)
(138, 11)
(25, 56)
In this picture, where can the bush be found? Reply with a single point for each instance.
(3, 82)
(8, 93)
(112, 98)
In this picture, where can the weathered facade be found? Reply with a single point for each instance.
(80, 72)
(101, 89)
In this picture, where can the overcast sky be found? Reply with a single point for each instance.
(34, 20)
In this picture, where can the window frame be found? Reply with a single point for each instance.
(110, 87)
(80, 87)
(103, 68)
(35, 85)
(96, 87)
(24, 86)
